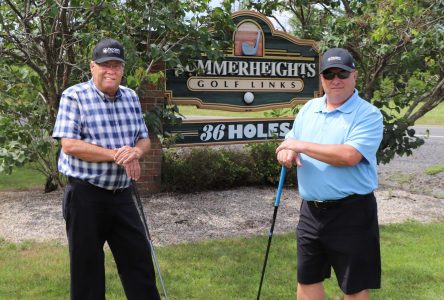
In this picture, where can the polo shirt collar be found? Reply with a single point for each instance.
(102, 95)
(345, 108)
(350, 104)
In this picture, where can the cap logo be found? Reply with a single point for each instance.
(111, 50)
(333, 58)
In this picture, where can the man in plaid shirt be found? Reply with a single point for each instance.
(103, 136)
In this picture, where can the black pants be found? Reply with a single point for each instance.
(94, 215)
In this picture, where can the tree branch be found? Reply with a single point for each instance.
(89, 16)
(347, 8)
(279, 23)
(434, 98)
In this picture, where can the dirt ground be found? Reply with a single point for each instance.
(406, 193)
(180, 218)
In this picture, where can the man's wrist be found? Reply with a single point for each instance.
(113, 153)
(139, 152)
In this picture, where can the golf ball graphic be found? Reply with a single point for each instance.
(248, 97)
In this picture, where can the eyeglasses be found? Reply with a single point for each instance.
(112, 66)
(341, 75)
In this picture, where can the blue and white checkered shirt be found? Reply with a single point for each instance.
(86, 114)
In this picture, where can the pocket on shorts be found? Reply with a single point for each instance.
(67, 195)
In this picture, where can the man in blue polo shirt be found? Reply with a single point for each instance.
(333, 143)
(103, 136)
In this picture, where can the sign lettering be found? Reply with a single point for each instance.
(231, 131)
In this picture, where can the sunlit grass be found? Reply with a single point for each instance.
(435, 169)
(188, 110)
(433, 117)
(23, 178)
(230, 269)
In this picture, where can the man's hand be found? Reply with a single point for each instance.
(291, 144)
(287, 153)
(126, 154)
(132, 169)
(288, 158)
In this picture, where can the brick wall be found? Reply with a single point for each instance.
(150, 96)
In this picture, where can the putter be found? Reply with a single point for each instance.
(270, 235)
(150, 241)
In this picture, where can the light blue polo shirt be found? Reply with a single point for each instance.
(357, 123)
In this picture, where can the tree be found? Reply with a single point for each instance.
(398, 46)
(41, 45)
(45, 47)
(45, 36)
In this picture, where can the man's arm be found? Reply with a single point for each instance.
(129, 157)
(127, 154)
(87, 151)
(336, 155)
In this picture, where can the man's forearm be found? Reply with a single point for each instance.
(127, 154)
(143, 146)
(86, 151)
(337, 155)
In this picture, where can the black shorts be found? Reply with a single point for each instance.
(343, 237)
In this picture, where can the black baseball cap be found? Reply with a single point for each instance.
(108, 49)
(337, 58)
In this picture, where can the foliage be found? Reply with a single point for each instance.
(309, 17)
(265, 166)
(176, 32)
(218, 168)
(49, 38)
(398, 47)
(205, 169)
(25, 126)
(159, 118)
(43, 50)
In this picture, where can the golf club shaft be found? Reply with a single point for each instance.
(150, 241)
(280, 186)
(270, 235)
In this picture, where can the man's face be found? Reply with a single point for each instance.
(338, 89)
(107, 76)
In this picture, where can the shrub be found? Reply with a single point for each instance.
(266, 165)
(204, 169)
(199, 169)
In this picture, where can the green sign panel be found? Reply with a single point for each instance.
(263, 69)
(202, 132)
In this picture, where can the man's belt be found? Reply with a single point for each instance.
(326, 204)
(86, 183)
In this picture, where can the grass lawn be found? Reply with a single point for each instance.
(412, 257)
(435, 169)
(23, 178)
(433, 117)
(188, 110)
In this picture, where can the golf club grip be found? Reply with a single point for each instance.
(281, 184)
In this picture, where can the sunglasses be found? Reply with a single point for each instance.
(341, 75)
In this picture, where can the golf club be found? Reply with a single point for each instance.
(270, 235)
(150, 241)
